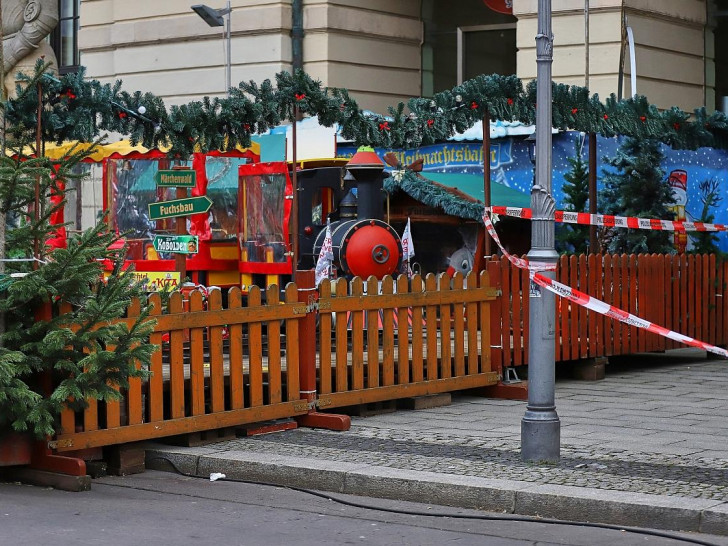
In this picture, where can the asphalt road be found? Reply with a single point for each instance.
(159, 508)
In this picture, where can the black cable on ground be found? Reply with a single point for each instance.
(524, 519)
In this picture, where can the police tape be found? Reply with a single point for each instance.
(608, 220)
(593, 304)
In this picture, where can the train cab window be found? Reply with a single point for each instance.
(263, 217)
(321, 205)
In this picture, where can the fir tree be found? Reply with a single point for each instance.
(637, 188)
(574, 238)
(81, 350)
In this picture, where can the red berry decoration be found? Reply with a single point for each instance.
(300, 96)
(510, 101)
(606, 116)
(122, 115)
(384, 126)
(643, 119)
(246, 126)
(473, 105)
(676, 126)
(574, 110)
(430, 122)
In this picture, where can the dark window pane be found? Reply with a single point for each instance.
(68, 36)
(489, 52)
(67, 8)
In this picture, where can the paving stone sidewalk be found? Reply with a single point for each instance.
(648, 446)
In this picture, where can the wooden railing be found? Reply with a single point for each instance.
(409, 338)
(228, 365)
(202, 378)
(684, 293)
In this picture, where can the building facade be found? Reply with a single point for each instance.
(385, 51)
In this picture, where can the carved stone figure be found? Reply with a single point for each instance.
(26, 23)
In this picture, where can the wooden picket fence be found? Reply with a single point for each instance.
(409, 338)
(225, 366)
(684, 293)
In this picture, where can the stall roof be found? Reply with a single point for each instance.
(122, 148)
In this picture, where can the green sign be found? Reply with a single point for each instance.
(179, 244)
(179, 207)
(175, 179)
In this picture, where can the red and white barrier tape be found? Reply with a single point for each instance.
(598, 306)
(607, 220)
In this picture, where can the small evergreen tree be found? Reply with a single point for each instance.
(50, 362)
(637, 188)
(574, 238)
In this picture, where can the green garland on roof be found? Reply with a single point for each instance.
(80, 109)
(432, 194)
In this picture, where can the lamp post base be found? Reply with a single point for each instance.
(540, 436)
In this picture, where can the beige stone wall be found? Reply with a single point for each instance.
(370, 47)
(673, 52)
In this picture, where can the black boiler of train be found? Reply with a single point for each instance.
(352, 200)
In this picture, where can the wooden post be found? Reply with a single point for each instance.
(308, 295)
(180, 260)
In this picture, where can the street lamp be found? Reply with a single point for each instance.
(213, 17)
(540, 426)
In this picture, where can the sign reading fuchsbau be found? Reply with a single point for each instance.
(179, 207)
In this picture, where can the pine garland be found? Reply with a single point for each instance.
(80, 109)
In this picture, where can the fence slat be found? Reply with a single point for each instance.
(197, 359)
(595, 279)
(517, 298)
(237, 392)
(292, 340)
(155, 392)
(471, 314)
(634, 334)
(325, 341)
(403, 333)
(583, 280)
(563, 307)
(135, 411)
(372, 338)
(431, 318)
(486, 364)
(496, 329)
(275, 388)
(255, 351)
(418, 373)
(506, 316)
(459, 313)
(712, 280)
(387, 335)
(357, 338)
(217, 369)
(445, 331)
(342, 341)
(176, 361)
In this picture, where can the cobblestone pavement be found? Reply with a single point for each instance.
(659, 428)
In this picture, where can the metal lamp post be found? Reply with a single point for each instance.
(213, 17)
(540, 426)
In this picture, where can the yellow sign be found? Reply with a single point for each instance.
(158, 280)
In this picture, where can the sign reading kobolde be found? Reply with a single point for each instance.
(179, 244)
(175, 179)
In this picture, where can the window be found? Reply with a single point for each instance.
(64, 38)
